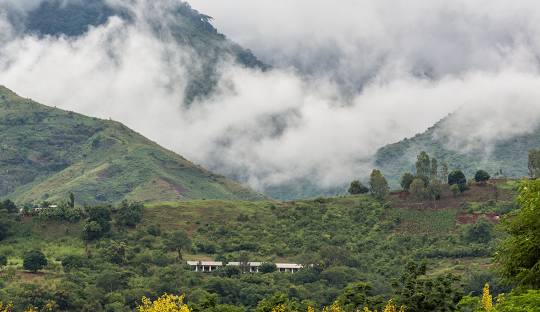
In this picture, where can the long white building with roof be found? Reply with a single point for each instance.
(252, 267)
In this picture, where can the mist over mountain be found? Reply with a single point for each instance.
(344, 79)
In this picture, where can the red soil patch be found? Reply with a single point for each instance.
(477, 193)
(471, 218)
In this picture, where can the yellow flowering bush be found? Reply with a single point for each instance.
(6, 308)
(487, 299)
(165, 303)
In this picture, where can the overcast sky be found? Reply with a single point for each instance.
(349, 77)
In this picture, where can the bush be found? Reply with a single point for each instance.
(457, 177)
(9, 206)
(3, 261)
(418, 189)
(357, 187)
(481, 176)
(129, 214)
(267, 267)
(73, 262)
(34, 261)
(480, 232)
(406, 181)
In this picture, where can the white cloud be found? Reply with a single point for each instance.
(413, 63)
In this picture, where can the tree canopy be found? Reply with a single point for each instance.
(378, 185)
(357, 187)
(34, 261)
(520, 252)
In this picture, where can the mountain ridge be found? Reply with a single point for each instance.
(47, 153)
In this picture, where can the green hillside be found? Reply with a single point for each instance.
(47, 152)
(351, 241)
(508, 156)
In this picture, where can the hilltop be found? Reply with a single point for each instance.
(45, 153)
(506, 157)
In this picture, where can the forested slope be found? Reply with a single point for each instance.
(45, 153)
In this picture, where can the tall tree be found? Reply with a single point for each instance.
(423, 166)
(434, 168)
(519, 254)
(378, 185)
(418, 189)
(71, 200)
(534, 163)
(444, 172)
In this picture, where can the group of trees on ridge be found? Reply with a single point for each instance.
(426, 184)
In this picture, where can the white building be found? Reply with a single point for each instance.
(252, 267)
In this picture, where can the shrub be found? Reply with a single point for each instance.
(406, 181)
(457, 177)
(267, 267)
(357, 187)
(34, 261)
(481, 176)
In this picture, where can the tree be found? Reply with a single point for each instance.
(434, 168)
(71, 200)
(129, 214)
(3, 261)
(98, 222)
(481, 176)
(34, 261)
(420, 292)
(444, 172)
(458, 178)
(480, 232)
(267, 267)
(406, 180)
(357, 187)
(92, 230)
(358, 295)
(378, 185)
(418, 189)
(435, 189)
(9, 206)
(178, 241)
(519, 254)
(534, 163)
(423, 166)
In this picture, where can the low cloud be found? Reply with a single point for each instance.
(367, 74)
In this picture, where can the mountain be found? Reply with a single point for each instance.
(45, 153)
(178, 22)
(506, 156)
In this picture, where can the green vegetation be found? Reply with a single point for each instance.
(34, 261)
(359, 250)
(46, 153)
(508, 158)
(357, 188)
(520, 252)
